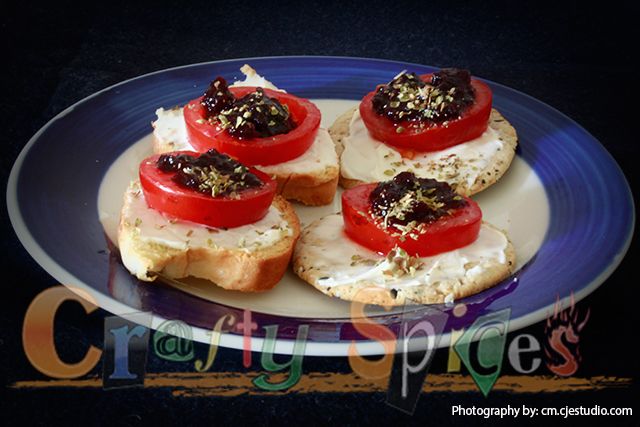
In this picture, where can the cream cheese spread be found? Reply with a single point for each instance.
(367, 159)
(151, 226)
(347, 262)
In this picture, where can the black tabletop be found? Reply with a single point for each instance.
(576, 58)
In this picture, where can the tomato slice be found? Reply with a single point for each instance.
(256, 151)
(470, 125)
(163, 194)
(445, 234)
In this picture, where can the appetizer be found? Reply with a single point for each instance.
(261, 126)
(412, 239)
(439, 126)
(207, 216)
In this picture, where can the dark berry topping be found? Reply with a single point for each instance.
(210, 173)
(408, 98)
(408, 201)
(255, 115)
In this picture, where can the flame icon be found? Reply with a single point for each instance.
(563, 337)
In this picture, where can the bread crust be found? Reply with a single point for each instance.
(233, 269)
(315, 188)
(496, 168)
(309, 189)
(370, 293)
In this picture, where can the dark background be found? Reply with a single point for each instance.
(573, 56)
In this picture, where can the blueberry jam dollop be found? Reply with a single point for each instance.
(217, 97)
(255, 115)
(409, 98)
(210, 173)
(407, 200)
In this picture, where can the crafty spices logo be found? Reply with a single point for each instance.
(401, 371)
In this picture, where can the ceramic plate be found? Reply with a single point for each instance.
(564, 203)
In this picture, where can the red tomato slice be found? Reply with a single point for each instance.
(163, 194)
(257, 151)
(472, 124)
(445, 234)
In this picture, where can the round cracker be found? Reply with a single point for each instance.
(497, 166)
(493, 272)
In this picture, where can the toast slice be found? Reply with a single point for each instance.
(446, 167)
(311, 179)
(336, 266)
(249, 258)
